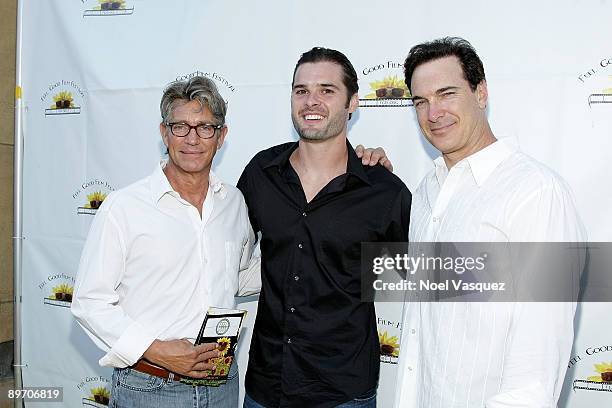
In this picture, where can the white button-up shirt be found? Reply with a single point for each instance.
(151, 266)
(478, 354)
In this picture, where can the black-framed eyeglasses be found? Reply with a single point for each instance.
(203, 130)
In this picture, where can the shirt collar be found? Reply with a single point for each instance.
(482, 163)
(161, 186)
(216, 184)
(353, 165)
(282, 159)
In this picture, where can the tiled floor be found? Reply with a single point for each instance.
(5, 385)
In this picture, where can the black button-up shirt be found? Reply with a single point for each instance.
(315, 343)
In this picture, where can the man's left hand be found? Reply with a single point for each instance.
(372, 157)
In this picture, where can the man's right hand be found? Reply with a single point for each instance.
(372, 157)
(182, 357)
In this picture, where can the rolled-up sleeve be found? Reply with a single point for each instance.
(96, 302)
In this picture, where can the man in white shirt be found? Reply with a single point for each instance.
(482, 190)
(159, 253)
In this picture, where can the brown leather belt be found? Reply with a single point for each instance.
(148, 368)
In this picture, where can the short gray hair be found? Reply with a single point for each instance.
(197, 88)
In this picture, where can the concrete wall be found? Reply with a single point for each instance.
(8, 23)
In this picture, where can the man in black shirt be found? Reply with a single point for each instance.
(315, 343)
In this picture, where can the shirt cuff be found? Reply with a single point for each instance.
(129, 348)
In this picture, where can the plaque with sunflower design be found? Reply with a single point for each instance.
(390, 91)
(221, 326)
(600, 382)
(61, 295)
(389, 347)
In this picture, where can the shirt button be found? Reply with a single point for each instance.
(436, 219)
(300, 246)
(297, 278)
(292, 309)
(409, 367)
(304, 214)
(413, 331)
(289, 341)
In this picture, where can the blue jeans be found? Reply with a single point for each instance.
(133, 389)
(367, 400)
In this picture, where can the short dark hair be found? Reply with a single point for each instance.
(320, 54)
(473, 70)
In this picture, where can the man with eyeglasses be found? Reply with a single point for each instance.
(159, 253)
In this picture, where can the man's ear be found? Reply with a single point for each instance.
(482, 94)
(164, 133)
(221, 138)
(353, 103)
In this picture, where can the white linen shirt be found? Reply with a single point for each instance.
(151, 266)
(477, 354)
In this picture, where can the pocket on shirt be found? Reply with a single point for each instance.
(233, 253)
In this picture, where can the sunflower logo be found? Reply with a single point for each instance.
(62, 292)
(95, 200)
(109, 8)
(100, 395)
(110, 5)
(224, 345)
(61, 295)
(223, 362)
(605, 373)
(604, 97)
(222, 365)
(388, 87)
(388, 345)
(63, 100)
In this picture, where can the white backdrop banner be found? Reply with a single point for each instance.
(93, 75)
